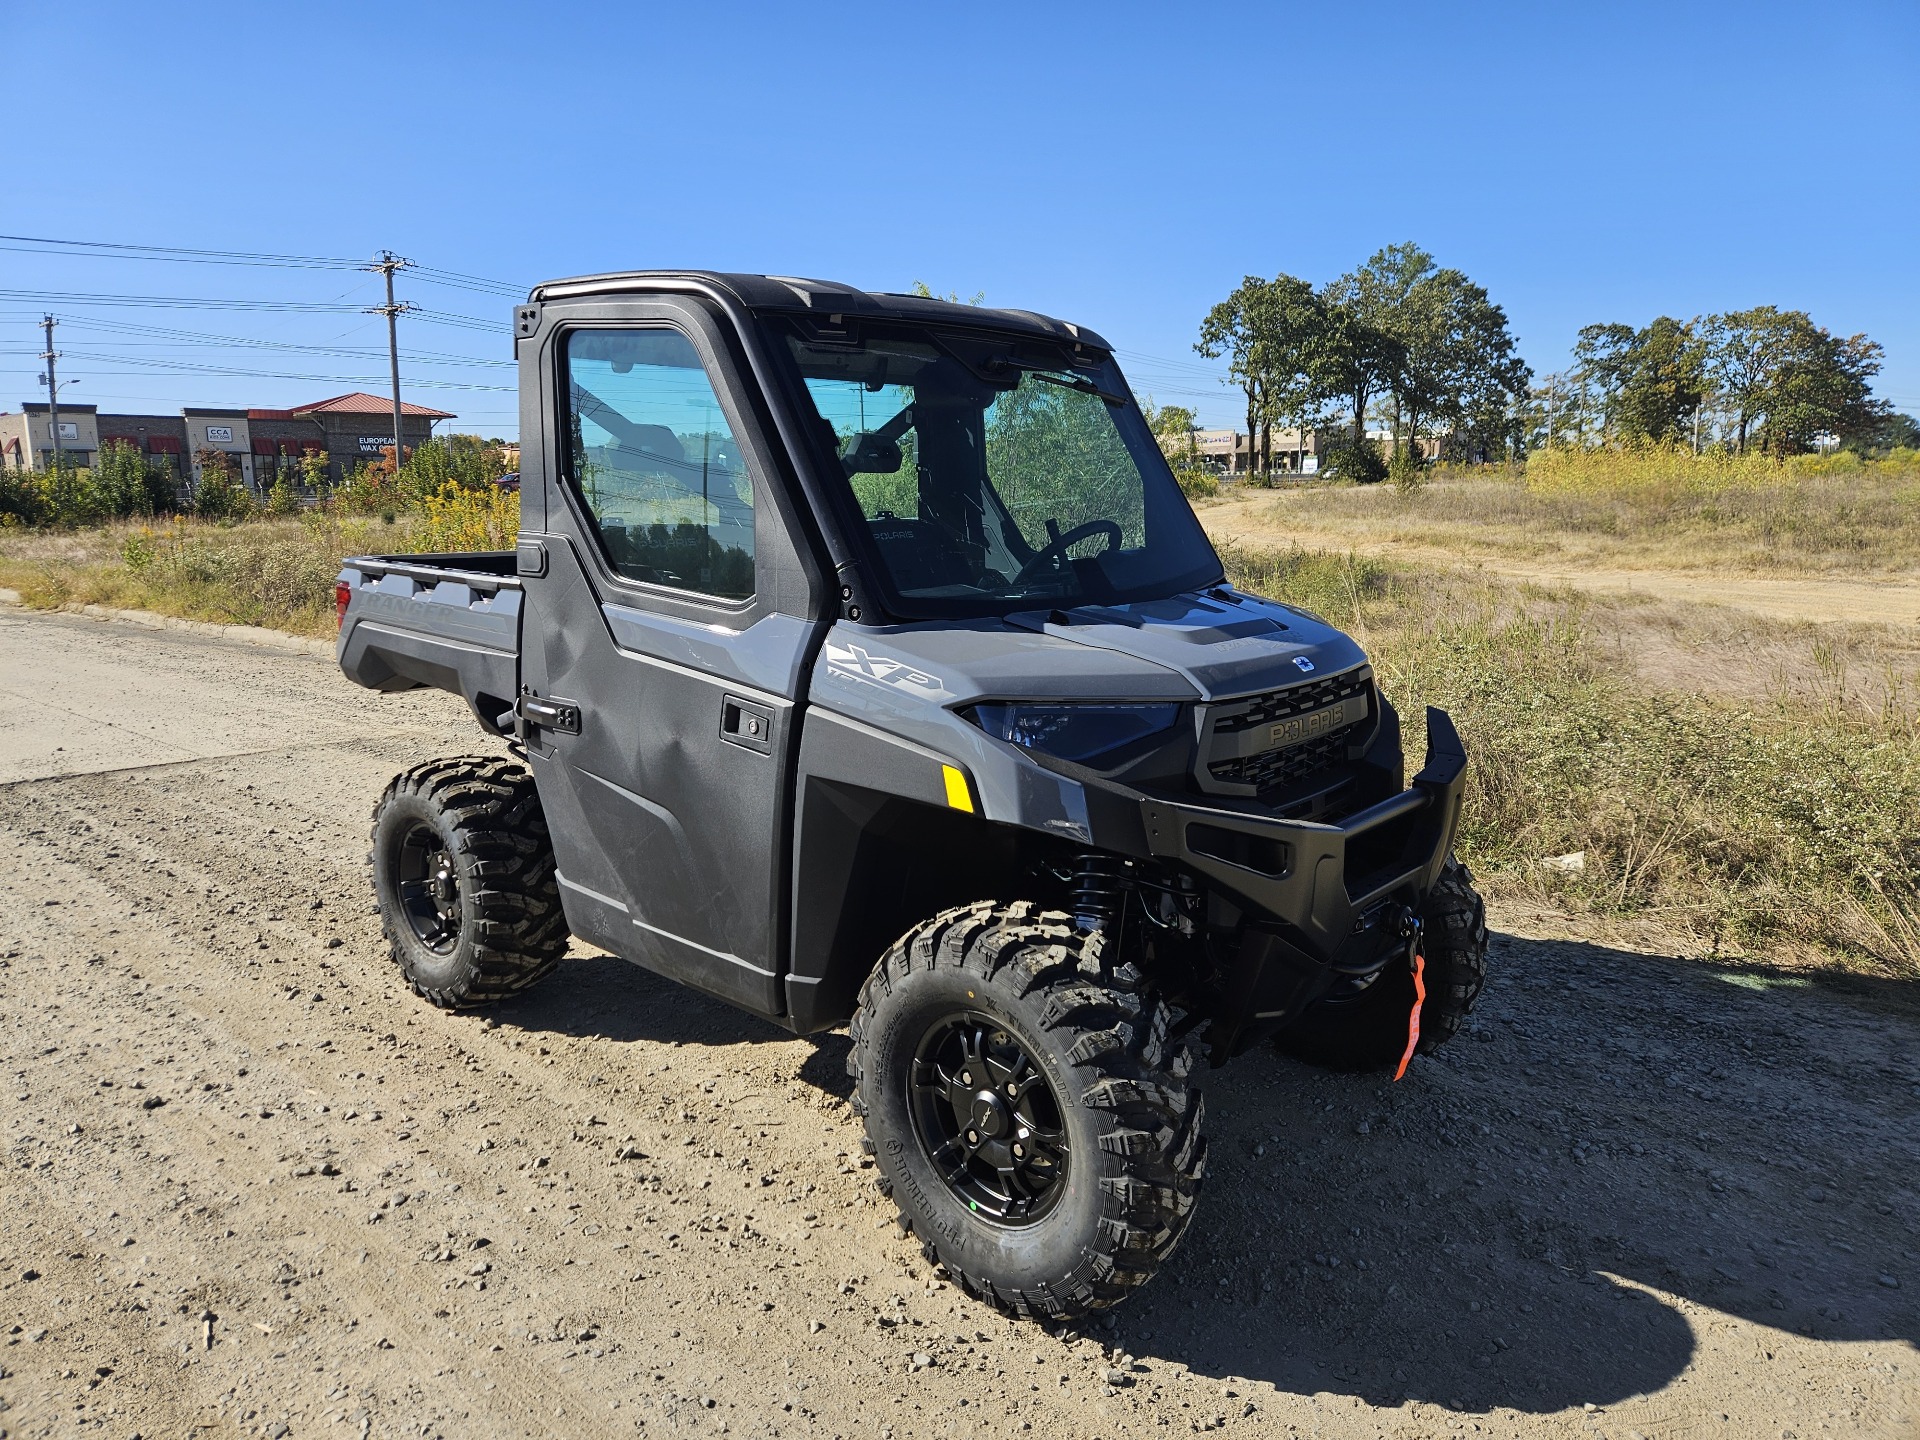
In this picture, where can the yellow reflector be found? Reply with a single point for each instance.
(958, 796)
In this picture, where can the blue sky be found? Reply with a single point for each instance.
(1121, 165)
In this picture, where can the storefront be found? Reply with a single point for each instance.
(224, 432)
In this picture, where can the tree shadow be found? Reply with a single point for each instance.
(1473, 1237)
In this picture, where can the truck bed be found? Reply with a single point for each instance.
(449, 622)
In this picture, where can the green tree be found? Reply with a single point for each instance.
(925, 292)
(1600, 367)
(1356, 362)
(1173, 427)
(1786, 381)
(1664, 382)
(125, 484)
(1235, 329)
(219, 495)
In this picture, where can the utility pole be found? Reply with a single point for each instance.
(53, 391)
(386, 265)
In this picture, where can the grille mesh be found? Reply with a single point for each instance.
(1270, 769)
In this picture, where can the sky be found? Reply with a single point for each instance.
(1122, 166)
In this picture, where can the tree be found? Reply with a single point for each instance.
(925, 292)
(1459, 370)
(1233, 328)
(1600, 367)
(1357, 362)
(1294, 331)
(1892, 432)
(1173, 427)
(125, 484)
(1664, 382)
(1786, 381)
(1432, 343)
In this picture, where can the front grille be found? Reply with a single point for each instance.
(1268, 770)
(1274, 768)
(1294, 700)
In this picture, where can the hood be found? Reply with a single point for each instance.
(1214, 645)
(1221, 642)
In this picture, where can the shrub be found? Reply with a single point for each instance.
(1361, 464)
(455, 519)
(282, 499)
(1197, 484)
(219, 494)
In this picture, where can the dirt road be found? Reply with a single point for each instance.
(1884, 600)
(252, 1188)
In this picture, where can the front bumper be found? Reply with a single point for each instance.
(1322, 901)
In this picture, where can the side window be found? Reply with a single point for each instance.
(656, 463)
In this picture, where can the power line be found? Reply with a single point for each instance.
(148, 365)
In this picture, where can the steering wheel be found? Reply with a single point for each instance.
(1055, 549)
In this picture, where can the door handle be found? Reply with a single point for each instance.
(746, 724)
(560, 715)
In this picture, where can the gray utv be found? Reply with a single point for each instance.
(865, 665)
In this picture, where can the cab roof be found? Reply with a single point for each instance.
(792, 294)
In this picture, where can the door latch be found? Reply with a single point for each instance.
(560, 715)
(746, 724)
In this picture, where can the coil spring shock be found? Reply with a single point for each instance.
(1099, 891)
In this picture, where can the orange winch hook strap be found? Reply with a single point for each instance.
(1413, 1019)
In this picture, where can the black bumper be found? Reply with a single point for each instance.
(1322, 901)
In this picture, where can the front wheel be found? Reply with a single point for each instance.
(1369, 1031)
(1029, 1112)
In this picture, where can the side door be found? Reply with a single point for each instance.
(665, 646)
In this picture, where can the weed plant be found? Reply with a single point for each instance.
(1787, 824)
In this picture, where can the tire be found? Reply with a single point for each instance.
(1369, 1033)
(1115, 1192)
(465, 882)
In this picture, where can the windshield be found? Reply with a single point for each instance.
(993, 475)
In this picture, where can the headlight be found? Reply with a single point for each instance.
(1074, 732)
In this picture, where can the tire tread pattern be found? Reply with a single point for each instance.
(1140, 1089)
(493, 813)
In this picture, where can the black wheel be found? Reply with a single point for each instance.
(1028, 1111)
(464, 877)
(1369, 1031)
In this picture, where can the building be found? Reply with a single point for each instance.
(26, 443)
(1226, 452)
(262, 444)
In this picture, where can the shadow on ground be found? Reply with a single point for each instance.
(1473, 1236)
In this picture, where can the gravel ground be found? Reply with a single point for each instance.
(253, 1188)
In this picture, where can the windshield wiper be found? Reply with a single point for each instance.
(1077, 382)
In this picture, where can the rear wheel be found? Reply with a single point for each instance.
(1369, 1031)
(1030, 1114)
(463, 874)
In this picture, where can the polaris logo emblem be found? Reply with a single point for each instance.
(1300, 662)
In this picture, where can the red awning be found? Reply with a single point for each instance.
(164, 444)
(294, 447)
(262, 447)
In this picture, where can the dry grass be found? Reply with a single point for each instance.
(1838, 518)
(1778, 819)
(276, 573)
(1749, 783)
(273, 572)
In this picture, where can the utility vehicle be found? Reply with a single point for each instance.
(863, 664)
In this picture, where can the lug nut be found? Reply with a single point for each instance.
(973, 1137)
(966, 1077)
(1012, 1089)
(1019, 1152)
